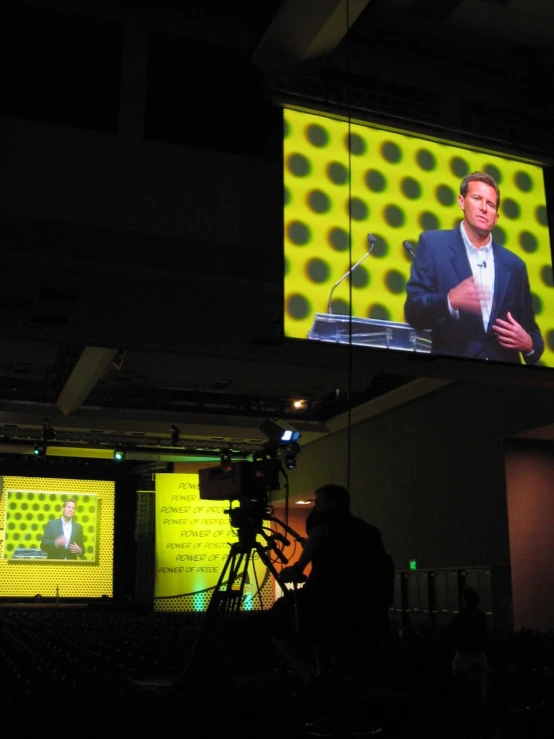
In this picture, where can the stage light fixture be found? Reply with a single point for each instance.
(118, 455)
(258, 455)
(279, 432)
(175, 435)
(290, 461)
(225, 456)
(48, 433)
(40, 449)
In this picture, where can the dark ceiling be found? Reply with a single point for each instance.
(477, 69)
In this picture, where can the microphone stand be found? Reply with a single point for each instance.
(371, 240)
(409, 248)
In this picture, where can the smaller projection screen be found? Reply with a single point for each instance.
(34, 526)
(366, 200)
(57, 537)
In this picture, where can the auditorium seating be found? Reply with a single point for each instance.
(46, 654)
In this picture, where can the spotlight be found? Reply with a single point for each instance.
(259, 455)
(225, 456)
(175, 435)
(48, 433)
(118, 455)
(290, 453)
(290, 461)
(40, 449)
(279, 432)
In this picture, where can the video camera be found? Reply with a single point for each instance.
(242, 479)
(253, 481)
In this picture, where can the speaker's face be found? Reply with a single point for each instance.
(69, 509)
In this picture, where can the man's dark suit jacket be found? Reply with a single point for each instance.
(440, 264)
(52, 530)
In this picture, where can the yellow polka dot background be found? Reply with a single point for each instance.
(344, 181)
(26, 505)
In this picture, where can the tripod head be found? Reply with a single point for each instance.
(248, 518)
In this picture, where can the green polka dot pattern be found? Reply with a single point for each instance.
(344, 182)
(26, 505)
(261, 600)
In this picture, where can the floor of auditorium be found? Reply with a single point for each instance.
(165, 673)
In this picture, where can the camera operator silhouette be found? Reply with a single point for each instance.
(343, 603)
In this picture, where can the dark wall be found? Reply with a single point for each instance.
(157, 242)
(430, 473)
(125, 548)
(141, 189)
(530, 468)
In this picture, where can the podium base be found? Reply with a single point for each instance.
(342, 329)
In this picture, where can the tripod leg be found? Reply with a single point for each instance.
(227, 600)
(230, 599)
(213, 607)
(224, 602)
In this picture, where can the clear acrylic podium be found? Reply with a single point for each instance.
(369, 332)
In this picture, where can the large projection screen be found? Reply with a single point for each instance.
(346, 180)
(27, 505)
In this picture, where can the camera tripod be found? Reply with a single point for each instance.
(227, 598)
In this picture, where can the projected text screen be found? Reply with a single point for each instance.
(35, 559)
(193, 544)
(344, 181)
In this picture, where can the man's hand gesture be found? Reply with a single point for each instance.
(468, 296)
(512, 335)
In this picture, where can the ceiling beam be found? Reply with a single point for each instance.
(89, 368)
(400, 396)
(303, 30)
(22, 422)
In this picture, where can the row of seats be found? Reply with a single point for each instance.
(43, 651)
(46, 652)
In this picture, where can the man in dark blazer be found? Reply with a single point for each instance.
(471, 292)
(63, 536)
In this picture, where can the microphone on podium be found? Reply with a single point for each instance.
(371, 241)
(409, 248)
